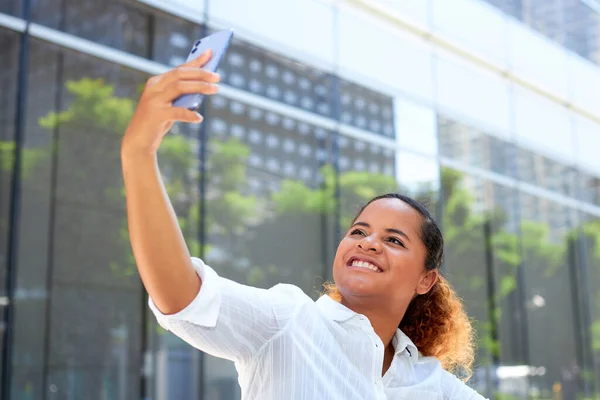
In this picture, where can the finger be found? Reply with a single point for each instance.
(184, 115)
(193, 74)
(178, 88)
(184, 71)
(200, 60)
(159, 82)
(183, 74)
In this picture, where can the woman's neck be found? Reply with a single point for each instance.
(384, 321)
(388, 357)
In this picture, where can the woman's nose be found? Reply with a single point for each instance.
(370, 243)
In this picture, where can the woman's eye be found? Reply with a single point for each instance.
(396, 241)
(357, 232)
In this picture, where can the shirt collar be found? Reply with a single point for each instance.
(402, 342)
(334, 310)
(340, 313)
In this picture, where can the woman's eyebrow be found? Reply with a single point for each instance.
(391, 230)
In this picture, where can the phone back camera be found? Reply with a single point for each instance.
(194, 50)
(198, 43)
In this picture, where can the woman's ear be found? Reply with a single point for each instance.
(428, 279)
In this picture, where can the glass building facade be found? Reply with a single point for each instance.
(485, 110)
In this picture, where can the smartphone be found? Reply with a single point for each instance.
(217, 42)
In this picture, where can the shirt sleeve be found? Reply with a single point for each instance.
(455, 389)
(231, 320)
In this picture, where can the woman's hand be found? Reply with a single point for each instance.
(155, 113)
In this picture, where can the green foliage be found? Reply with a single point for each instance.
(176, 153)
(30, 158)
(506, 248)
(228, 161)
(94, 104)
(230, 211)
(356, 189)
(295, 197)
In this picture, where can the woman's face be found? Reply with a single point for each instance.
(382, 255)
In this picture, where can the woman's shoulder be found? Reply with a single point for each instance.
(426, 366)
(428, 361)
(291, 292)
(451, 386)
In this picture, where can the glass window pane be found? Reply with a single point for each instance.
(508, 346)
(511, 7)
(80, 285)
(589, 242)
(571, 24)
(269, 206)
(481, 227)
(544, 125)
(473, 147)
(415, 126)
(581, 21)
(466, 264)
(545, 19)
(474, 93)
(173, 38)
(11, 7)
(29, 325)
(473, 24)
(587, 140)
(545, 172)
(198, 7)
(549, 298)
(419, 178)
(589, 187)
(288, 29)
(366, 109)
(9, 51)
(112, 22)
(278, 78)
(366, 170)
(418, 11)
(410, 55)
(549, 66)
(584, 78)
(171, 366)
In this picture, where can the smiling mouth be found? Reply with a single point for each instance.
(358, 263)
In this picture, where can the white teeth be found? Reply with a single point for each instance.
(364, 264)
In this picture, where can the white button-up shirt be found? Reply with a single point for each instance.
(287, 346)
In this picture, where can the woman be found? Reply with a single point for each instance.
(390, 328)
